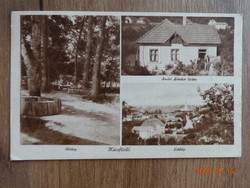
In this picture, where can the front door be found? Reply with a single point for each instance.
(202, 54)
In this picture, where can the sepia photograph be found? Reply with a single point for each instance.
(177, 114)
(76, 92)
(70, 80)
(178, 45)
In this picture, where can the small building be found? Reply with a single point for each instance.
(128, 118)
(149, 128)
(218, 25)
(174, 124)
(189, 123)
(168, 43)
(143, 20)
(130, 20)
(172, 118)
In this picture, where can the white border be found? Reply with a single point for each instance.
(50, 152)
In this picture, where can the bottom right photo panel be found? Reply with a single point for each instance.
(177, 114)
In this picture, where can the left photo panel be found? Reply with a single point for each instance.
(70, 80)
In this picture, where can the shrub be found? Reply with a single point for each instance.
(176, 72)
(152, 141)
(163, 141)
(190, 139)
(169, 66)
(140, 70)
(171, 126)
(218, 67)
(179, 69)
(190, 70)
(179, 125)
(129, 138)
(169, 131)
(131, 124)
(172, 141)
(189, 131)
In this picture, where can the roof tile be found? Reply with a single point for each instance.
(191, 33)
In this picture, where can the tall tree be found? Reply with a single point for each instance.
(77, 48)
(95, 90)
(85, 83)
(44, 56)
(110, 71)
(30, 50)
(62, 40)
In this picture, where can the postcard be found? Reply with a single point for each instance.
(123, 85)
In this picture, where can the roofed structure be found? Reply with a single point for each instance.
(218, 25)
(189, 33)
(130, 19)
(149, 128)
(143, 20)
(152, 122)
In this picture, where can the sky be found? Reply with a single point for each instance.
(148, 94)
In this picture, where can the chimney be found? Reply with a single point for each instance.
(184, 21)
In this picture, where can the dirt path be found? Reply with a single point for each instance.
(70, 110)
(34, 131)
(83, 119)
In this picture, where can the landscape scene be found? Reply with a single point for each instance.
(70, 80)
(180, 114)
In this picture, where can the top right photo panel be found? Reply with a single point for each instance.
(177, 46)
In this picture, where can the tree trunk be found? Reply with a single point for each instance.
(111, 83)
(85, 82)
(95, 90)
(44, 56)
(77, 49)
(31, 54)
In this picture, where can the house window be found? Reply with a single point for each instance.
(202, 53)
(154, 55)
(175, 54)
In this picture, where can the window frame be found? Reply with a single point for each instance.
(154, 55)
(202, 51)
(175, 54)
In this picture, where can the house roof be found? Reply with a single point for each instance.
(221, 23)
(149, 125)
(143, 19)
(133, 19)
(152, 122)
(190, 33)
(217, 23)
(140, 128)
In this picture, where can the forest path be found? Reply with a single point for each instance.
(85, 119)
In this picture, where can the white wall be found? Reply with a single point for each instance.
(220, 26)
(186, 53)
(145, 58)
(144, 134)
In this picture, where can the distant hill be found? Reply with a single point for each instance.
(163, 109)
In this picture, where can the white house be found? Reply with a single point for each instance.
(130, 20)
(218, 25)
(168, 43)
(149, 128)
(189, 123)
(143, 20)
